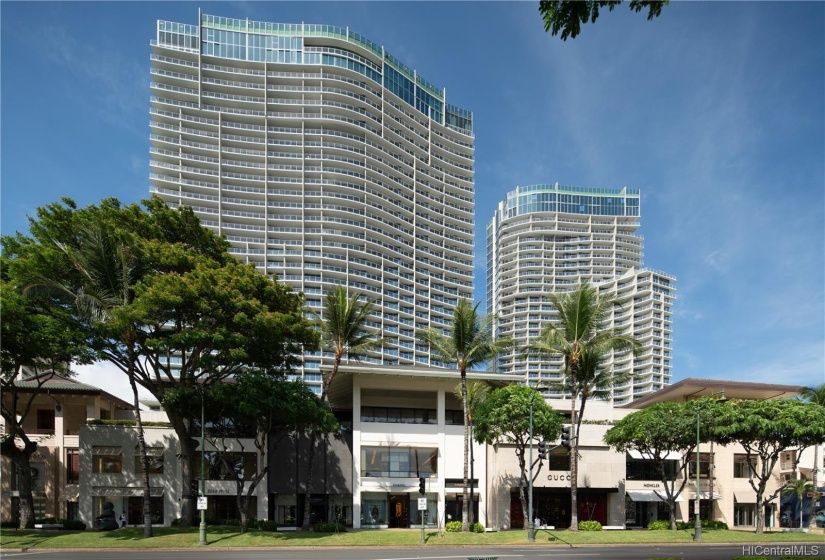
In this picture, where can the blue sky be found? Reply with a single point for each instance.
(715, 111)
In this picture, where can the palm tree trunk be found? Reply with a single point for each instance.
(815, 499)
(313, 438)
(465, 526)
(574, 466)
(144, 461)
(470, 515)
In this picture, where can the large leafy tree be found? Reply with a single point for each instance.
(469, 344)
(192, 301)
(343, 327)
(566, 16)
(815, 395)
(765, 429)
(657, 431)
(504, 417)
(578, 334)
(33, 340)
(105, 272)
(252, 406)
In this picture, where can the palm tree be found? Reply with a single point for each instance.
(815, 395)
(343, 332)
(470, 344)
(797, 487)
(476, 393)
(578, 334)
(595, 381)
(107, 272)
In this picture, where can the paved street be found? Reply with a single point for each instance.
(686, 552)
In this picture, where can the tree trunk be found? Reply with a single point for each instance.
(24, 486)
(465, 526)
(144, 463)
(522, 483)
(574, 467)
(243, 509)
(470, 515)
(188, 447)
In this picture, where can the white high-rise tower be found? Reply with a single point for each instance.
(323, 160)
(548, 238)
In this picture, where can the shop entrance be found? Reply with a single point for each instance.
(399, 504)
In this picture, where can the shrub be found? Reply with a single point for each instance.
(706, 524)
(453, 526)
(329, 527)
(74, 525)
(8, 525)
(476, 527)
(590, 526)
(46, 520)
(266, 525)
(175, 522)
(658, 525)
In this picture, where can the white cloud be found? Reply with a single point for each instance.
(107, 377)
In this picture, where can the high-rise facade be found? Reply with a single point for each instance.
(325, 161)
(548, 238)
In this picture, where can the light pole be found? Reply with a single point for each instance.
(697, 525)
(531, 536)
(202, 486)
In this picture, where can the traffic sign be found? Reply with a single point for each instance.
(422, 504)
(201, 502)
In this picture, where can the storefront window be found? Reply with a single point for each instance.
(558, 460)
(740, 466)
(374, 511)
(154, 456)
(107, 460)
(286, 510)
(744, 515)
(399, 462)
(231, 466)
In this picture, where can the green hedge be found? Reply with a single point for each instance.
(453, 527)
(329, 527)
(658, 525)
(590, 526)
(476, 527)
(706, 524)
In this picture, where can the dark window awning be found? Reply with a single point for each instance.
(107, 450)
(744, 496)
(650, 496)
(706, 496)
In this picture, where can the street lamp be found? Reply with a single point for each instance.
(202, 486)
(697, 525)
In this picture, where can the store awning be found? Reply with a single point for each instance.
(107, 450)
(125, 491)
(706, 496)
(744, 496)
(650, 496)
(666, 455)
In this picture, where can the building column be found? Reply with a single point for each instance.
(442, 446)
(356, 453)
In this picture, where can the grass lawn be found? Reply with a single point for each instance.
(230, 537)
